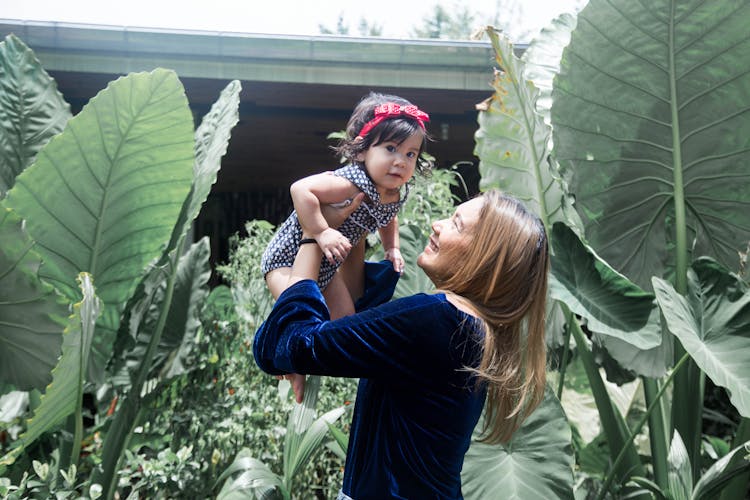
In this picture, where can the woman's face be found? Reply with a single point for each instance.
(449, 239)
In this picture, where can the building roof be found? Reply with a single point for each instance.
(330, 60)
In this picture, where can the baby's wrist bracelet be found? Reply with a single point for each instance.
(307, 240)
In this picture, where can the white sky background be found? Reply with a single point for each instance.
(296, 17)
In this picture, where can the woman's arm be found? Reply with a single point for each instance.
(404, 339)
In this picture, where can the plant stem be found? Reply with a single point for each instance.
(658, 436)
(688, 395)
(125, 418)
(564, 361)
(613, 424)
(639, 426)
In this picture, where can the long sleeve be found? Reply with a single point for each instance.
(393, 340)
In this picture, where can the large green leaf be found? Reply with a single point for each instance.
(542, 58)
(248, 478)
(313, 437)
(63, 395)
(104, 196)
(651, 119)
(716, 477)
(512, 140)
(580, 406)
(32, 314)
(211, 142)
(713, 324)
(680, 472)
(190, 291)
(413, 280)
(31, 108)
(536, 464)
(615, 309)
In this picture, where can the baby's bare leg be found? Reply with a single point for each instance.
(338, 298)
(340, 304)
(353, 271)
(277, 281)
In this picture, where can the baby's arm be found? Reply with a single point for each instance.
(391, 244)
(307, 195)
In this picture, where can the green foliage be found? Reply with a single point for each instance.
(64, 395)
(33, 312)
(650, 128)
(653, 136)
(535, 464)
(224, 405)
(168, 471)
(454, 22)
(32, 109)
(110, 197)
(712, 321)
(142, 124)
(252, 297)
(48, 480)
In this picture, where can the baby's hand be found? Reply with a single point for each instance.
(335, 246)
(394, 255)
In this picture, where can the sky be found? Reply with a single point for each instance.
(296, 17)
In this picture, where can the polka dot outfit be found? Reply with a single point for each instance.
(368, 217)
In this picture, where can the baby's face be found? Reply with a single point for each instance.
(391, 164)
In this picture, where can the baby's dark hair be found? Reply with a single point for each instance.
(396, 129)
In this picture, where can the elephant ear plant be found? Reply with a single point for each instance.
(111, 196)
(650, 119)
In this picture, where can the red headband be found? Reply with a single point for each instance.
(391, 110)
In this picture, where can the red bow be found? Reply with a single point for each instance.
(391, 110)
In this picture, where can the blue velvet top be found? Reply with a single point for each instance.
(415, 408)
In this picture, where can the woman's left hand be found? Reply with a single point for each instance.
(335, 216)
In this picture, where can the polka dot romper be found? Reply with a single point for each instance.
(370, 215)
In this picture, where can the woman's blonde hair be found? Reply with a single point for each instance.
(503, 276)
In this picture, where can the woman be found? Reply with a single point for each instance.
(428, 362)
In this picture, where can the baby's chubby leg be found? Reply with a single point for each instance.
(338, 299)
(277, 281)
(353, 271)
(339, 304)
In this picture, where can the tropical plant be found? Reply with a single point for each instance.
(649, 118)
(111, 196)
(249, 477)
